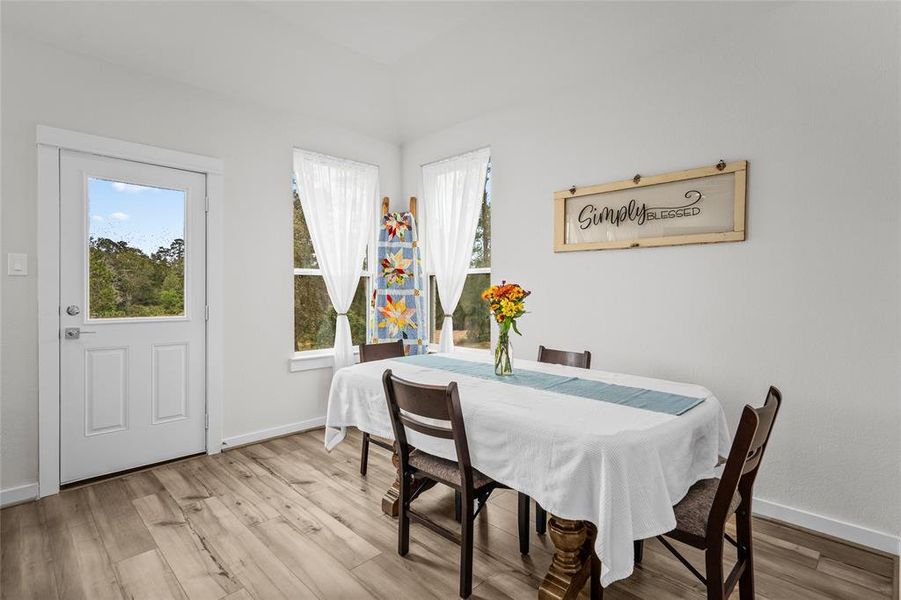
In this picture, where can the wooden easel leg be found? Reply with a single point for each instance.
(571, 566)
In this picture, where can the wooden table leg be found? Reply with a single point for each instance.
(391, 499)
(571, 567)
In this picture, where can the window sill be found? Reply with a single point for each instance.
(310, 360)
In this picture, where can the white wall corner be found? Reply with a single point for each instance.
(18, 494)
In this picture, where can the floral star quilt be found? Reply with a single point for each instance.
(398, 300)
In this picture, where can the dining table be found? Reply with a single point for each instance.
(606, 454)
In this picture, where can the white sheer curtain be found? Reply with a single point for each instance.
(338, 198)
(452, 197)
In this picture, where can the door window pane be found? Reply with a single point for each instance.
(314, 316)
(136, 238)
(472, 321)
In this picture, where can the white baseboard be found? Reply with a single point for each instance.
(18, 494)
(265, 434)
(832, 527)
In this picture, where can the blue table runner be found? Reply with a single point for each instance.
(662, 402)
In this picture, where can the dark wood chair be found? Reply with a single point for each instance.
(370, 352)
(418, 407)
(702, 515)
(581, 360)
(564, 357)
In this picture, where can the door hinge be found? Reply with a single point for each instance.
(206, 423)
(206, 204)
(206, 312)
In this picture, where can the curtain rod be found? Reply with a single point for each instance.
(432, 162)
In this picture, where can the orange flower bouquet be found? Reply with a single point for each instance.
(507, 302)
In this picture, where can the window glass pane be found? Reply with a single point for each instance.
(314, 317)
(472, 321)
(136, 237)
(481, 246)
(304, 258)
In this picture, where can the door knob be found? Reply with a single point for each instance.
(73, 333)
(72, 310)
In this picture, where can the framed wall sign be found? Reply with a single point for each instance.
(697, 206)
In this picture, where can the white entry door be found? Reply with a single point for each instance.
(132, 314)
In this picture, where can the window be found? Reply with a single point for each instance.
(136, 250)
(314, 316)
(472, 321)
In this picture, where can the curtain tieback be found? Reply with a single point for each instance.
(342, 314)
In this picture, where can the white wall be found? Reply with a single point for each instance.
(809, 95)
(44, 86)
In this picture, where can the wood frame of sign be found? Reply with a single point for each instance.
(733, 232)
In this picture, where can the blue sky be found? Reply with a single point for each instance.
(145, 217)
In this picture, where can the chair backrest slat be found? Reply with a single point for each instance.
(564, 357)
(446, 433)
(371, 352)
(427, 401)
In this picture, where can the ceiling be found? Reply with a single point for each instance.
(384, 32)
(394, 70)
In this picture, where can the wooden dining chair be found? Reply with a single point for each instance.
(426, 409)
(581, 360)
(371, 352)
(702, 515)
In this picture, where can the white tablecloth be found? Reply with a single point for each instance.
(619, 467)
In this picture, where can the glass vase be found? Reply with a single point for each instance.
(503, 355)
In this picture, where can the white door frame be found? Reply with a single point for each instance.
(50, 141)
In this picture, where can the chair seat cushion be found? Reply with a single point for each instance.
(694, 509)
(445, 470)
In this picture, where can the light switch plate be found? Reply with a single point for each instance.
(17, 265)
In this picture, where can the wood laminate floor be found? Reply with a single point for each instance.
(284, 519)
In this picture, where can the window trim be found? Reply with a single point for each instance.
(310, 360)
(324, 358)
